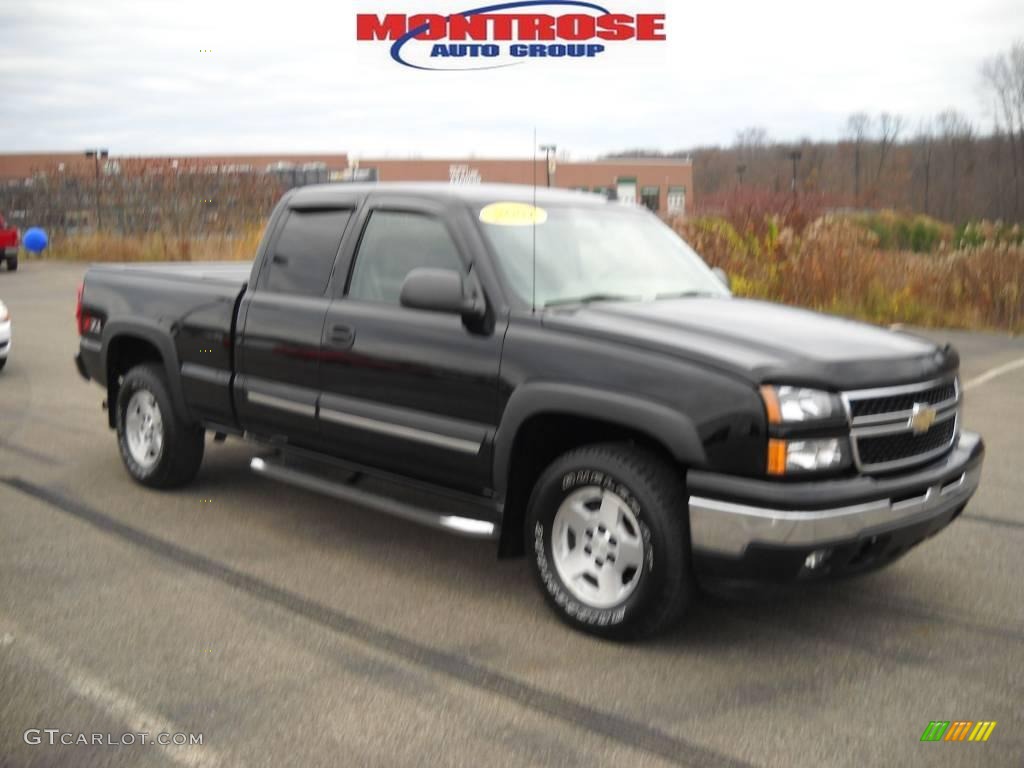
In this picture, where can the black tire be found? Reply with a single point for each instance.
(12, 264)
(654, 491)
(181, 453)
(3, 362)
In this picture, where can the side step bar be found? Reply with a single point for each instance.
(463, 526)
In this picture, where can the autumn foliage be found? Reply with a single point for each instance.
(836, 263)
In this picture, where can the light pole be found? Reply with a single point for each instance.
(548, 150)
(97, 155)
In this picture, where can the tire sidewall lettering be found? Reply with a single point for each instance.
(573, 608)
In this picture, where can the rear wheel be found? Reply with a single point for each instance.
(12, 264)
(158, 449)
(610, 540)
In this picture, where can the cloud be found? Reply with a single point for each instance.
(292, 77)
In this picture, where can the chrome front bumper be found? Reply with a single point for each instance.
(727, 528)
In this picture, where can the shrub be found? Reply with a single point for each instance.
(902, 232)
(840, 265)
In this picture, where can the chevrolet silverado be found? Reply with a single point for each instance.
(550, 369)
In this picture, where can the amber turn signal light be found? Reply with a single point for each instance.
(776, 457)
(771, 404)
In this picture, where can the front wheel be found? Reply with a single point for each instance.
(12, 264)
(158, 449)
(611, 548)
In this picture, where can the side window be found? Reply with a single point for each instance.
(394, 243)
(302, 257)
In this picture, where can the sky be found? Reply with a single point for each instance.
(135, 76)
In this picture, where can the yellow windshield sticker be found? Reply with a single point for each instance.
(513, 214)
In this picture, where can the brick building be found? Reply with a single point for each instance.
(69, 192)
(665, 186)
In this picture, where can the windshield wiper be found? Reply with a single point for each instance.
(588, 298)
(684, 294)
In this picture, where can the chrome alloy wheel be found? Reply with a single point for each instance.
(597, 547)
(144, 428)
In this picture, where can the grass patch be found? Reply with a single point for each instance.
(103, 247)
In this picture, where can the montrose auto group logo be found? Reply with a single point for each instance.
(507, 34)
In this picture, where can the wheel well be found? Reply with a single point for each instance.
(540, 440)
(123, 354)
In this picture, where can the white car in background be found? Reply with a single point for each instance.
(5, 334)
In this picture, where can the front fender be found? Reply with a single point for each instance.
(668, 426)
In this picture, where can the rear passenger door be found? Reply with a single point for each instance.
(281, 321)
(408, 390)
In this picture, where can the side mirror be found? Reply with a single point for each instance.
(721, 275)
(439, 290)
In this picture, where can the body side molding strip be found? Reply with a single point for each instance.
(397, 430)
(281, 404)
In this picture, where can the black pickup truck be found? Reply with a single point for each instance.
(550, 369)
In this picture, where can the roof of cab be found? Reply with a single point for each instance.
(325, 194)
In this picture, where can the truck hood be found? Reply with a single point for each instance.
(763, 342)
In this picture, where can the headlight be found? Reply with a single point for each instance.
(795, 405)
(787, 457)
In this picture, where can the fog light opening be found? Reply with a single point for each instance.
(816, 559)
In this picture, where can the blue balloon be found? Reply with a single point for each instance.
(35, 240)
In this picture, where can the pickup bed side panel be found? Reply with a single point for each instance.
(204, 346)
(148, 331)
(187, 320)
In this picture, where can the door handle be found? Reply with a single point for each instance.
(342, 335)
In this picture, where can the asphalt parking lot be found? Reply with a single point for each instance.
(288, 629)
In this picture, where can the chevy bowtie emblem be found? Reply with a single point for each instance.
(922, 418)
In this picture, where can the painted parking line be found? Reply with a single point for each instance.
(993, 373)
(115, 703)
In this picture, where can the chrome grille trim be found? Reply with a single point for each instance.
(909, 461)
(897, 422)
(904, 389)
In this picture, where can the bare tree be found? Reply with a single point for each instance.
(889, 127)
(1004, 76)
(857, 127)
(957, 133)
(925, 139)
(754, 136)
(751, 147)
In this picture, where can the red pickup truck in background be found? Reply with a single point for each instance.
(9, 241)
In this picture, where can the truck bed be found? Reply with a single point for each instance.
(233, 273)
(191, 303)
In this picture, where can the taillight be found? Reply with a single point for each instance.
(81, 319)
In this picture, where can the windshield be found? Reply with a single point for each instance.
(607, 252)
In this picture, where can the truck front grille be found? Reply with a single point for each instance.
(887, 436)
(894, 447)
(877, 406)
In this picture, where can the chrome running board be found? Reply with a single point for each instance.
(457, 524)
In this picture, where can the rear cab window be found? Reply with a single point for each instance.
(303, 254)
